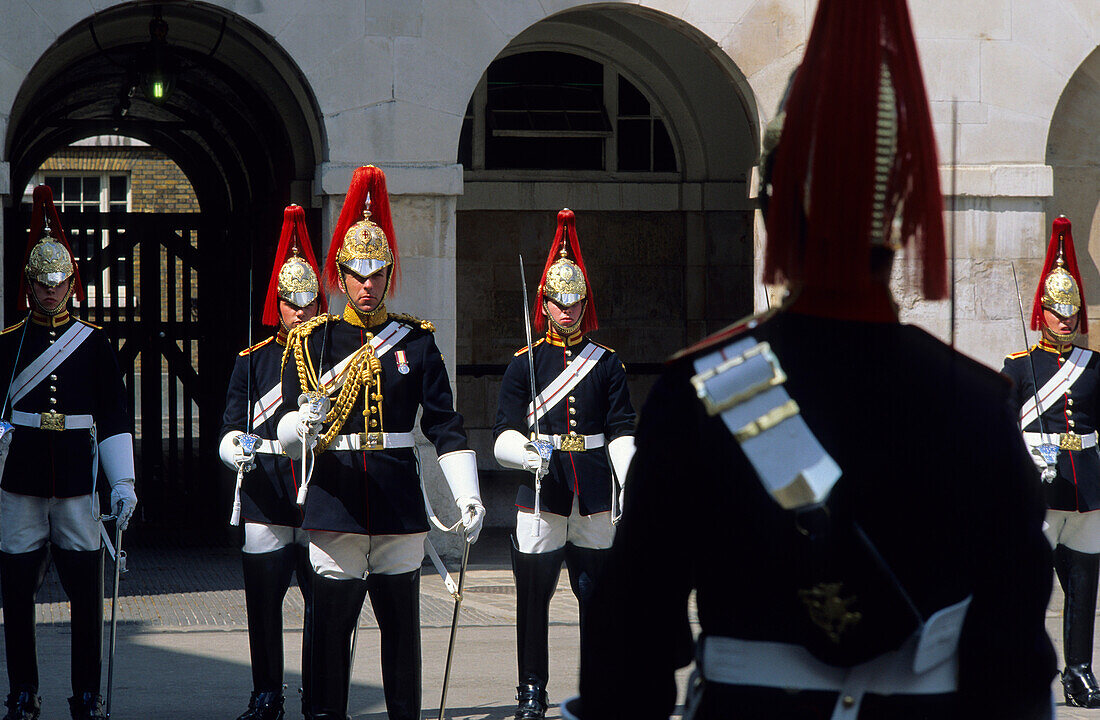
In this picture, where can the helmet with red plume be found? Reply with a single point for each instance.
(49, 260)
(363, 241)
(564, 278)
(294, 275)
(854, 173)
(1060, 289)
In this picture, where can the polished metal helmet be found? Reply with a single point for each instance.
(49, 261)
(297, 281)
(565, 283)
(365, 249)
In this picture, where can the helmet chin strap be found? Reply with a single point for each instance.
(1060, 339)
(55, 310)
(564, 331)
(370, 317)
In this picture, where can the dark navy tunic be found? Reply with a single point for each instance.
(934, 471)
(600, 403)
(269, 491)
(47, 463)
(1077, 484)
(377, 492)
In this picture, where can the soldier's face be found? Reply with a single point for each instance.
(50, 298)
(293, 316)
(565, 315)
(1057, 325)
(366, 293)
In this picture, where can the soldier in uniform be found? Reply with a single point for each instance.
(274, 545)
(67, 404)
(359, 379)
(848, 497)
(1057, 388)
(564, 511)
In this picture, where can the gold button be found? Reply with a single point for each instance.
(572, 423)
(568, 353)
(53, 401)
(53, 388)
(53, 378)
(1068, 412)
(848, 701)
(572, 399)
(1070, 423)
(572, 411)
(1069, 401)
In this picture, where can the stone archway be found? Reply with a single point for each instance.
(245, 129)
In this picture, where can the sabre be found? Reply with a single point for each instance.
(454, 626)
(249, 440)
(5, 426)
(1049, 451)
(543, 447)
(120, 567)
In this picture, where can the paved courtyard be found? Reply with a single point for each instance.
(183, 645)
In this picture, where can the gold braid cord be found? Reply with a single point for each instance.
(364, 369)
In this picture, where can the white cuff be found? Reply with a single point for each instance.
(621, 451)
(227, 448)
(460, 470)
(116, 455)
(510, 449)
(287, 432)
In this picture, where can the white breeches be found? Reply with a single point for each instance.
(346, 556)
(263, 538)
(27, 522)
(1078, 531)
(593, 531)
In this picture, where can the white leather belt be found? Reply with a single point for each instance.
(1066, 441)
(52, 420)
(373, 441)
(269, 447)
(572, 443)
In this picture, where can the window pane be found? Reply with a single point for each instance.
(634, 145)
(664, 157)
(466, 144)
(71, 189)
(54, 182)
(631, 100)
(118, 188)
(91, 190)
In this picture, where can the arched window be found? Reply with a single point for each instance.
(549, 110)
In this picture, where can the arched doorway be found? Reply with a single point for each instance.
(646, 129)
(219, 98)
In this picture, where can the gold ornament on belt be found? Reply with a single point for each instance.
(366, 249)
(49, 261)
(297, 281)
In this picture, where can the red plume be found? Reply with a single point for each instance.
(1062, 230)
(43, 203)
(294, 232)
(365, 181)
(819, 219)
(567, 233)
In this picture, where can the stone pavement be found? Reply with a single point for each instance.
(183, 645)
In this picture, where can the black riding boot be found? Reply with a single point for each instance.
(396, 603)
(336, 607)
(536, 579)
(304, 570)
(1078, 573)
(266, 579)
(585, 566)
(24, 705)
(81, 575)
(21, 575)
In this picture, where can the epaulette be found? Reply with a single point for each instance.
(601, 345)
(727, 333)
(91, 325)
(16, 326)
(525, 347)
(414, 321)
(1020, 354)
(257, 346)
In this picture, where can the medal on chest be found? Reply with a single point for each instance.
(402, 362)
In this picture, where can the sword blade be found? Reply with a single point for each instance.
(454, 628)
(530, 350)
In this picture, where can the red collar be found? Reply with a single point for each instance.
(557, 340)
(61, 318)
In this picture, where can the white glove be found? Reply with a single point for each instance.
(233, 455)
(122, 491)
(620, 452)
(460, 470)
(515, 451)
(1047, 473)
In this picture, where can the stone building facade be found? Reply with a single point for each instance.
(643, 116)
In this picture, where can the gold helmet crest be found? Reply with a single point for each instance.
(365, 249)
(49, 261)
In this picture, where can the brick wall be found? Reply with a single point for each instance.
(156, 183)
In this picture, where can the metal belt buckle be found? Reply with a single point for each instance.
(52, 421)
(1069, 441)
(370, 441)
(572, 443)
